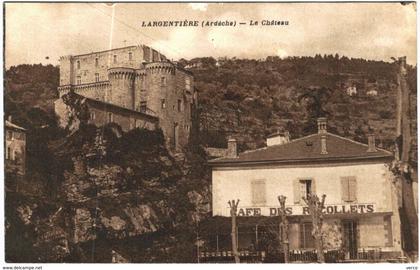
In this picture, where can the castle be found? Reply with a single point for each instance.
(134, 86)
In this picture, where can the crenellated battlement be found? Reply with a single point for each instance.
(121, 73)
(160, 67)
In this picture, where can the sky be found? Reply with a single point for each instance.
(42, 32)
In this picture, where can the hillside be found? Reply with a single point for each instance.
(134, 198)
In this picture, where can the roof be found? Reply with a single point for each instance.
(11, 125)
(105, 105)
(307, 149)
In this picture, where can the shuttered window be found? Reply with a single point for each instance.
(258, 192)
(349, 188)
(302, 188)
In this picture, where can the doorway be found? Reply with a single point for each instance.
(350, 238)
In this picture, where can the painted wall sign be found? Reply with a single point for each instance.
(303, 210)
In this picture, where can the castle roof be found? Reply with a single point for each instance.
(307, 149)
(105, 106)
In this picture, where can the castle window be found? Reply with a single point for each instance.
(110, 117)
(78, 64)
(163, 81)
(79, 80)
(143, 106)
(130, 56)
(115, 58)
(163, 104)
(96, 77)
(96, 62)
(187, 83)
(179, 105)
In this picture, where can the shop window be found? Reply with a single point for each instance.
(258, 192)
(348, 188)
(163, 104)
(306, 238)
(96, 77)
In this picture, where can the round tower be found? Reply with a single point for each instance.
(122, 87)
(162, 98)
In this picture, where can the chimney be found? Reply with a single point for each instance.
(232, 151)
(278, 138)
(324, 145)
(371, 143)
(9, 118)
(322, 125)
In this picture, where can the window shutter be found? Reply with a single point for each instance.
(313, 186)
(258, 192)
(345, 189)
(296, 191)
(352, 188)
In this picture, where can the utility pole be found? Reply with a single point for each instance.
(404, 169)
(315, 211)
(284, 228)
(233, 210)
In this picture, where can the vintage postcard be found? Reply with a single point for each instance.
(210, 133)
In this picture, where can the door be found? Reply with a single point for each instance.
(350, 238)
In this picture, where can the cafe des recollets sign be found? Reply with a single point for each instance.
(299, 210)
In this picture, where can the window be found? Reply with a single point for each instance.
(258, 192)
(9, 153)
(96, 62)
(110, 117)
(143, 106)
(78, 80)
(18, 135)
(187, 83)
(305, 188)
(78, 64)
(96, 77)
(9, 135)
(92, 115)
(306, 238)
(348, 188)
(130, 56)
(163, 104)
(115, 58)
(163, 81)
(179, 105)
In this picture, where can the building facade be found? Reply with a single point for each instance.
(138, 79)
(15, 148)
(361, 206)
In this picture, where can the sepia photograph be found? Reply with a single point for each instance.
(203, 133)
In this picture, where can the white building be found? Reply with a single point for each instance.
(361, 210)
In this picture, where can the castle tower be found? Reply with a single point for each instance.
(122, 87)
(66, 74)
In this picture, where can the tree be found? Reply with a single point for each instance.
(233, 210)
(283, 228)
(315, 211)
(402, 167)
